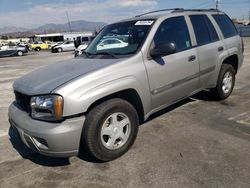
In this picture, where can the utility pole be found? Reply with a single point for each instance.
(216, 4)
(69, 24)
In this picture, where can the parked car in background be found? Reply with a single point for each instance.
(12, 51)
(80, 49)
(37, 46)
(66, 46)
(26, 45)
(84, 42)
(111, 43)
(54, 45)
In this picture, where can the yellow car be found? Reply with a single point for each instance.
(37, 46)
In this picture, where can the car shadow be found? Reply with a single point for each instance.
(202, 96)
(86, 156)
(33, 156)
(169, 109)
(43, 160)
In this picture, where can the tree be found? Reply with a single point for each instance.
(4, 37)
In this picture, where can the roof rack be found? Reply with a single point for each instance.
(179, 10)
(162, 10)
(198, 10)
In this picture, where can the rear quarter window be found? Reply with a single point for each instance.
(226, 25)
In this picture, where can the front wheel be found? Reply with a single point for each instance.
(110, 129)
(20, 53)
(225, 83)
(59, 50)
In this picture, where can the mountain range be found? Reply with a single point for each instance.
(79, 25)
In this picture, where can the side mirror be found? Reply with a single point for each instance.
(163, 50)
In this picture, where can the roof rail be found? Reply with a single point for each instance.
(162, 10)
(198, 10)
(179, 10)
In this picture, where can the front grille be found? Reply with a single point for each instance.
(23, 101)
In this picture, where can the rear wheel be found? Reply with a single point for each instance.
(110, 129)
(225, 83)
(37, 49)
(20, 53)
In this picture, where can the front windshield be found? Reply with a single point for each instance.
(122, 38)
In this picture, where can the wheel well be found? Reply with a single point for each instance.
(232, 60)
(130, 95)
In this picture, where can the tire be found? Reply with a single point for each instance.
(37, 49)
(20, 53)
(59, 50)
(104, 139)
(225, 82)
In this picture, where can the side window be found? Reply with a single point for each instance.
(212, 32)
(116, 42)
(85, 39)
(203, 29)
(173, 30)
(226, 25)
(106, 42)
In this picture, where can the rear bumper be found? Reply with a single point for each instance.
(51, 139)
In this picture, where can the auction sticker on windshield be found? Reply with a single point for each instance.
(144, 22)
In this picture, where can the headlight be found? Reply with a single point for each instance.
(48, 107)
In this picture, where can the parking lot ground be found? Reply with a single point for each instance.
(195, 143)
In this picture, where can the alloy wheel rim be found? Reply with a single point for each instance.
(115, 131)
(227, 82)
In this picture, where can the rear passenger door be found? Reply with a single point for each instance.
(231, 36)
(174, 76)
(209, 48)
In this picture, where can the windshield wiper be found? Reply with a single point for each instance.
(106, 53)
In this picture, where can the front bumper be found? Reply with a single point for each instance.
(54, 50)
(51, 139)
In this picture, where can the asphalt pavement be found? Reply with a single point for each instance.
(195, 143)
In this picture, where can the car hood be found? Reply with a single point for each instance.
(58, 46)
(46, 79)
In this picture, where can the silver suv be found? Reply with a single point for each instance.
(95, 102)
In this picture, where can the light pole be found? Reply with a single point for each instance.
(216, 4)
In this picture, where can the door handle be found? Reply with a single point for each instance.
(220, 49)
(192, 58)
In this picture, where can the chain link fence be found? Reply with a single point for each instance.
(244, 30)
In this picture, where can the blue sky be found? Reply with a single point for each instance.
(33, 13)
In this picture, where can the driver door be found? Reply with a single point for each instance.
(174, 76)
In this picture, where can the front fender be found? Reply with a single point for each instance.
(83, 91)
(112, 87)
(81, 104)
